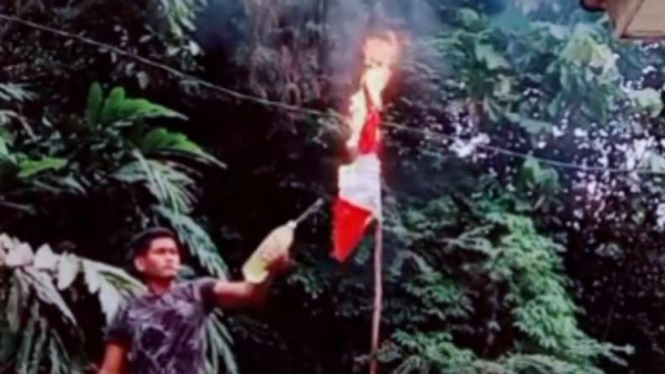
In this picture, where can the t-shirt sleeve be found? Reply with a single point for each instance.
(205, 293)
(119, 331)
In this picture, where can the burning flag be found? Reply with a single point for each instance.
(359, 199)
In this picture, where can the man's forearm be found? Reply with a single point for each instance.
(233, 295)
(259, 291)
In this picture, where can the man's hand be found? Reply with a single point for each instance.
(115, 359)
(272, 257)
(276, 252)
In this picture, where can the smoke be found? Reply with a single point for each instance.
(350, 21)
(222, 25)
(331, 32)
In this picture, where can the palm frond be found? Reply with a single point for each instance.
(171, 187)
(217, 342)
(15, 92)
(160, 140)
(180, 14)
(31, 338)
(197, 240)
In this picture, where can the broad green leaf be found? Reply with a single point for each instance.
(30, 168)
(217, 343)
(69, 268)
(112, 105)
(534, 126)
(138, 108)
(94, 107)
(45, 259)
(469, 16)
(490, 56)
(649, 100)
(117, 107)
(109, 298)
(4, 146)
(13, 311)
(47, 293)
(143, 79)
(161, 139)
(655, 162)
(91, 276)
(37, 351)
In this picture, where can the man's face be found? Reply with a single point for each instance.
(161, 260)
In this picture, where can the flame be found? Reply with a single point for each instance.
(380, 55)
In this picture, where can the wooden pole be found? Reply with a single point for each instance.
(378, 296)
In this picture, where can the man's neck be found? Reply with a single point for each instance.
(160, 286)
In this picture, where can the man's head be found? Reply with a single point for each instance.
(593, 5)
(156, 254)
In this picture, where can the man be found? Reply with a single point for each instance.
(161, 331)
(593, 5)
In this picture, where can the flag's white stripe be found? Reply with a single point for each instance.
(360, 182)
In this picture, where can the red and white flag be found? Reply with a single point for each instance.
(359, 199)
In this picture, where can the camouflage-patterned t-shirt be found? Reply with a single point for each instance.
(163, 333)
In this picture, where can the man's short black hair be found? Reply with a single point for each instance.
(589, 8)
(141, 242)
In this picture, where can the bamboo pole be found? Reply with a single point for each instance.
(378, 296)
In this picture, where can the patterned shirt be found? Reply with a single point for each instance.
(163, 333)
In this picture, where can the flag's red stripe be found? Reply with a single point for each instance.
(369, 142)
(350, 222)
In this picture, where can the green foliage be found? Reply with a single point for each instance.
(30, 168)
(495, 263)
(110, 157)
(33, 288)
(197, 240)
(648, 99)
(15, 92)
(118, 108)
(217, 344)
(160, 140)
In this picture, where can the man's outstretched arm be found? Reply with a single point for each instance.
(115, 357)
(275, 252)
(241, 294)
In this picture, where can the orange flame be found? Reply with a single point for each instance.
(380, 55)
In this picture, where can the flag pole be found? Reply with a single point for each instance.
(378, 295)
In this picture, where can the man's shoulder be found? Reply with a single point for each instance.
(186, 289)
(192, 288)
